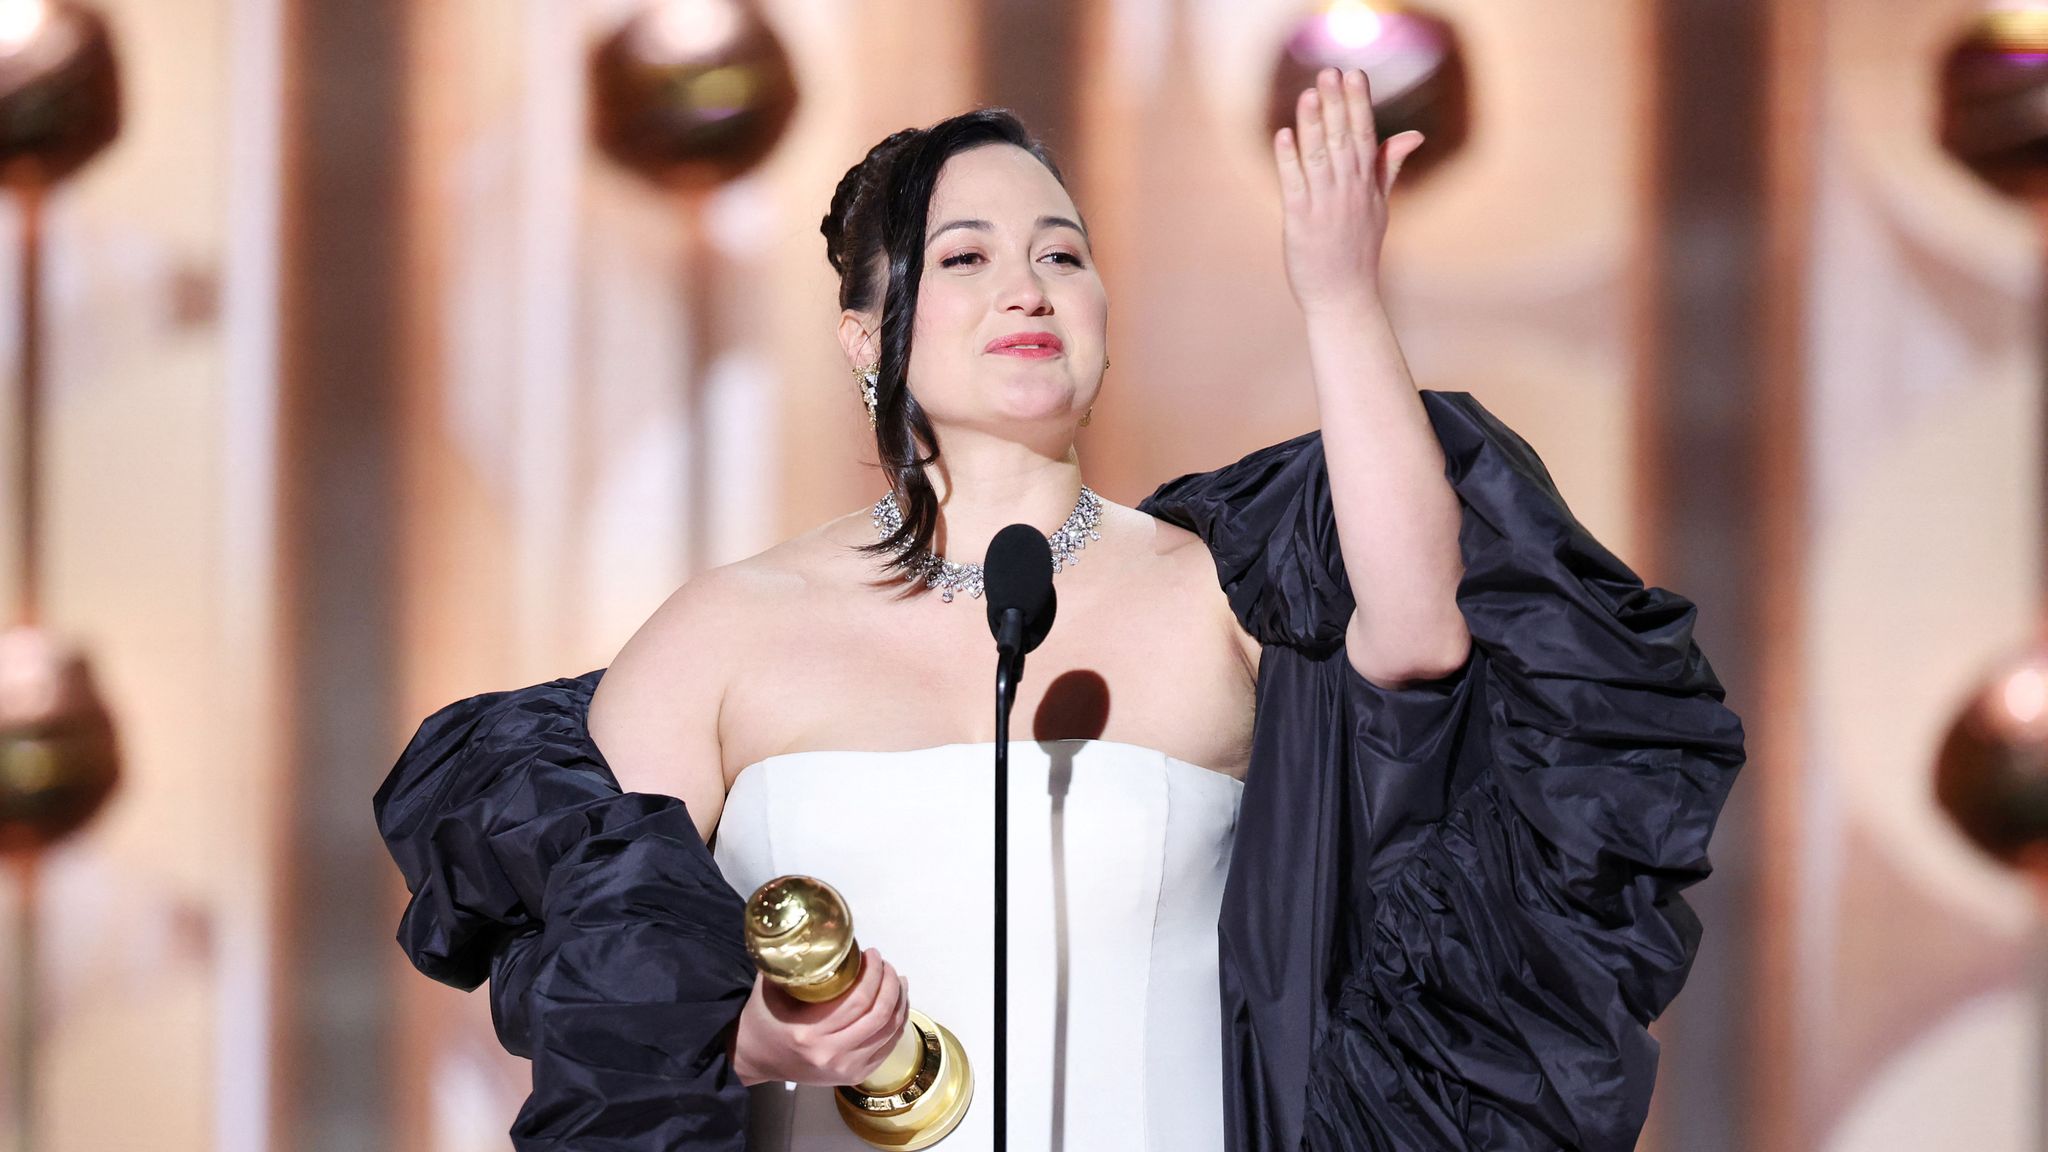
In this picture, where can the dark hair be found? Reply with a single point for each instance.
(879, 211)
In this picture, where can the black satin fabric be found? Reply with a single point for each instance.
(1451, 910)
(612, 943)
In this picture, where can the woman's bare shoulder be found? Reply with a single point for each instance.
(1167, 539)
(733, 603)
(655, 714)
(1193, 569)
(1180, 555)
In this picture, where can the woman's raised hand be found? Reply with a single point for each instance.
(1335, 177)
(841, 1041)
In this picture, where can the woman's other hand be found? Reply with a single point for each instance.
(841, 1041)
(1335, 177)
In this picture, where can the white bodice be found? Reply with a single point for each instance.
(1117, 856)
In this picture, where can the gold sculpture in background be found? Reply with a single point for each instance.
(60, 100)
(59, 761)
(1992, 82)
(59, 106)
(58, 756)
(691, 93)
(800, 935)
(1991, 773)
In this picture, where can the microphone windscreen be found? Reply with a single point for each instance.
(1018, 574)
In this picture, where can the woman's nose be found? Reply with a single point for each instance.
(1023, 293)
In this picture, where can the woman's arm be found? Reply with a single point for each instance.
(1457, 905)
(1397, 517)
(655, 713)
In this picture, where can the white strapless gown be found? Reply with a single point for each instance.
(1117, 860)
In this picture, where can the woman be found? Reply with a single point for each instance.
(1438, 830)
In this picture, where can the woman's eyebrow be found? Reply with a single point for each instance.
(1043, 223)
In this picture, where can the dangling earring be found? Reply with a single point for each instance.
(1090, 414)
(867, 377)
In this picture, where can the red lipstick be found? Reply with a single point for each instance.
(1029, 345)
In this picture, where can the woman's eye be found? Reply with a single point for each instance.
(962, 258)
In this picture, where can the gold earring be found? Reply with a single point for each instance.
(867, 377)
(1087, 416)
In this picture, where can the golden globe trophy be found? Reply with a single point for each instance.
(801, 938)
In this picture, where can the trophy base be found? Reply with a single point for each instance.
(922, 1112)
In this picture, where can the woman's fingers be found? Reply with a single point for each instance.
(1331, 96)
(1398, 150)
(1358, 105)
(1334, 173)
(1287, 158)
(852, 1007)
(1308, 129)
(1335, 132)
(892, 1015)
(887, 1007)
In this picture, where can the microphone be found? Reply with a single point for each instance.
(1016, 578)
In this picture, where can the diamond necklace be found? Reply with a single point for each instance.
(949, 576)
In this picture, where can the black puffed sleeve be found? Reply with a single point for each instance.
(1454, 907)
(611, 941)
(1269, 525)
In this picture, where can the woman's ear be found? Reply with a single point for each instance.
(856, 331)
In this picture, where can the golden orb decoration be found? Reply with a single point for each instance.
(60, 100)
(1994, 99)
(1991, 774)
(59, 759)
(691, 93)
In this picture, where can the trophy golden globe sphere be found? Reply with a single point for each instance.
(60, 101)
(1991, 773)
(1994, 99)
(801, 937)
(59, 760)
(1412, 58)
(800, 934)
(691, 93)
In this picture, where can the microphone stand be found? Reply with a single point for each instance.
(1009, 669)
(1021, 607)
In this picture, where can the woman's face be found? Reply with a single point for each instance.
(1005, 257)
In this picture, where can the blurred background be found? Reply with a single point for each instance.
(362, 356)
